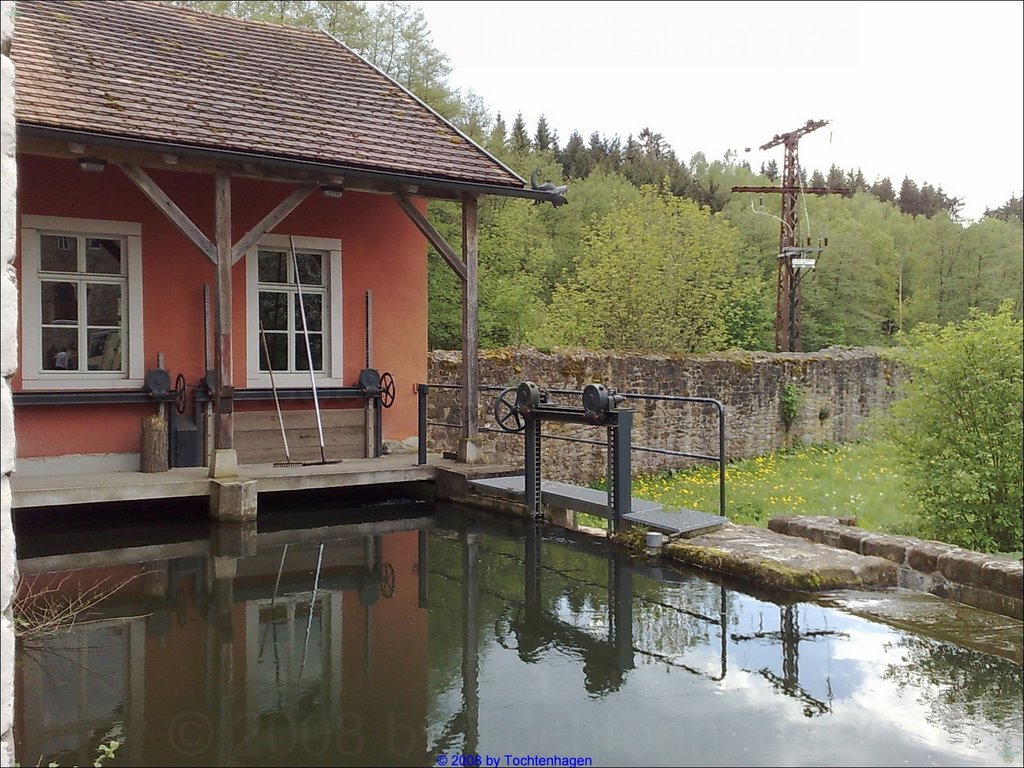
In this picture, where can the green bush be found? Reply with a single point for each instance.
(789, 403)
(959, 428)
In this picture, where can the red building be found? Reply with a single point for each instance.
(224, 200)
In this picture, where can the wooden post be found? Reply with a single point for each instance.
(223, 399)
(153, 457)
(470, 333)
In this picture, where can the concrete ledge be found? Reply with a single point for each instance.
(983, 581)
(777, 561)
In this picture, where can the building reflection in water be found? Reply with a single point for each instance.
(230, 649)
(363, 643)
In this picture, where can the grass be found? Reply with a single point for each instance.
(857, 479)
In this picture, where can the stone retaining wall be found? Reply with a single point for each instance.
(984, 581)
(839, 390)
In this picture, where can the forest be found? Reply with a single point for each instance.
(654, 251)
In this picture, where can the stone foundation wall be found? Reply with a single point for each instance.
(988, 582)
(8, 365)
(839, 390)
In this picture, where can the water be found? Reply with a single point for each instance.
(414, 637)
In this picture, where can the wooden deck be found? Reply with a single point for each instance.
(55, 489)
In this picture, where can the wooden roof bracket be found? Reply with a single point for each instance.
(162, 200)
(433, 236)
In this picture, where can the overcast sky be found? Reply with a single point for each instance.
(934, 91)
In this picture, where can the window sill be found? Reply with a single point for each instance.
(80, 383)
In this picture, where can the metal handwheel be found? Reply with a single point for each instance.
(506, 412)
(180, 391)
(387, 390)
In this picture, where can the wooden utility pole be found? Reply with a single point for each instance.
(787, 293)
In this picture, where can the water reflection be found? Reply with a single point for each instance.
(410, 632)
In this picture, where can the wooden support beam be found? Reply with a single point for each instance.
(470, 332)
(223, 403)
(433, 236)
(271, 220)
(162, 201)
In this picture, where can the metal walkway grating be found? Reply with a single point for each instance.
(684, 523)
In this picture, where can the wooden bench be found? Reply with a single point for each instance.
(258, 435)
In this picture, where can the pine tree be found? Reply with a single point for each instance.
(542, 138)
(576, 162)
(910, 197)
(496, 141)
(519, 140)
(884, 191)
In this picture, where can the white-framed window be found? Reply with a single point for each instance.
(81, 303)
(293, 316)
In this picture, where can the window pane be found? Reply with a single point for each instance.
(60, 302)
(277, 343)
(274, 311)
(310, 268)
(104, 349)
(58, 253)
(314, 312)
(103, 304)
(60, 349)
(273, 267)
(102, 256)
(316, 346)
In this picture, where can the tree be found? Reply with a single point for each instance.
(959, 428)
(576, 162)
(653, 275)
(496, 140)
(836, 178)
(771, 171)
(542, 138)
(910, 197)
(883, 190)
(519, 139)
(1011, 211)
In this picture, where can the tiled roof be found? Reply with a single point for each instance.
(154, 72)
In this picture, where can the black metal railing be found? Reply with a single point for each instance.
(423, 391)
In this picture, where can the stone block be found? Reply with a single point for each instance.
(233, 500)
(1004, 576)
(852, 538)
(223, 463)
(781, 523)
(963, 566)
(892, 548)
(924, 555)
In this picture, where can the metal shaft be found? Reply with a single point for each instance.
(273, 388)
(309, 352)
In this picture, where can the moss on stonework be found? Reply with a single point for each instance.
(762, 572)
(634, 539)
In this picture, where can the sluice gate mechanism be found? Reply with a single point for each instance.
(529, 408)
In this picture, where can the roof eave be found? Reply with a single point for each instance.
(270, 163)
